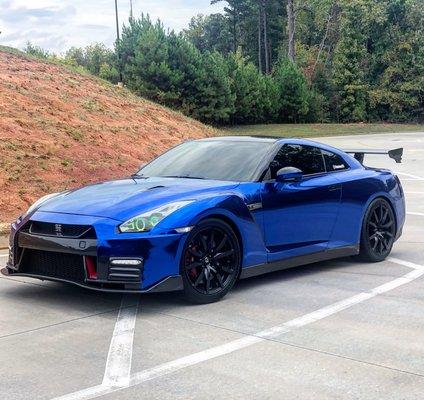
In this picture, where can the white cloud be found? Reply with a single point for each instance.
(57, 25)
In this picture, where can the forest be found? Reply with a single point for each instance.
(269, 61)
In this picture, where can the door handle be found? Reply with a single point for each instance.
(332, 188)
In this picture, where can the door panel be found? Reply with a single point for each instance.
(299, 217)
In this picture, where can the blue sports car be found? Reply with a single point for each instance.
(209, 212)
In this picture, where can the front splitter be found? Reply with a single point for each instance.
(169, 284)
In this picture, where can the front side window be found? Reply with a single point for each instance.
(306, 158)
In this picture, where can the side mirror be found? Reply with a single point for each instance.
(289, 174)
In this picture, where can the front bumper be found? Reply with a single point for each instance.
(88, 261)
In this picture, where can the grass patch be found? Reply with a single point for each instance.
(66, 162)
(92, 105)
(316, 130)
(12, 50)
(74, 133)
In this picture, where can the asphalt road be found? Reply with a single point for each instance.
(333, 330)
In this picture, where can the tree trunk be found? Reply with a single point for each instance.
(235, 28)
(267, 69)
(260, 39)
(270, 55)
(327, 30)
(291, 28)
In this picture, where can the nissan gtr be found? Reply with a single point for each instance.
(209, 212)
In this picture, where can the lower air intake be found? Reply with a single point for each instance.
(69, 267)
(125, 274)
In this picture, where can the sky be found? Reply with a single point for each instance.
(57, 25)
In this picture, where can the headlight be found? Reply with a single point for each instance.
(147, 221)
(38, 203)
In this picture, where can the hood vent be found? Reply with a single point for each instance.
(155, 187)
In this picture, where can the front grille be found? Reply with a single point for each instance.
(62, 230)
(55, 265)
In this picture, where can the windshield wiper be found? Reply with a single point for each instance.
(183, 176)
(138, 176)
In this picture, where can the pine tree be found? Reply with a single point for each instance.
(349, 62)
(396, 75)
(186, 60)
(214, 99)
(247, 88)
(210, 33)
(144, 50)
(293, 92)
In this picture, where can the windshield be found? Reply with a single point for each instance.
(226, 160)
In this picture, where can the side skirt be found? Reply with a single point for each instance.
(300, 260)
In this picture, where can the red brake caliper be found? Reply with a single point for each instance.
(190, 259)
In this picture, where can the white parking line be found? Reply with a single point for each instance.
(405, 263)
(118, 364)
(420, 178)
(415, 213)
(249, 340)
(414, 192)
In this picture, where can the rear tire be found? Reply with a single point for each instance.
(378, 231)
(210, 262)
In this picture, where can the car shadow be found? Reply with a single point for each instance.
(60, 295)
(65, 296)
(292, 273)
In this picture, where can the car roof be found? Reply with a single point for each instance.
(266, 139)
(279, 140)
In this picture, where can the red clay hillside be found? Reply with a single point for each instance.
(60, 129)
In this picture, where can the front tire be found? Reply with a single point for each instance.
(210, 262)
(378, 232)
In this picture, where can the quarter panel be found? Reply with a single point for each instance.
(360, 188)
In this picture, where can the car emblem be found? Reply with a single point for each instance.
(58, 229)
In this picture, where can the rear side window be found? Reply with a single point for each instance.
(334, 162)
(306, 158)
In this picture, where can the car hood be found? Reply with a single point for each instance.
(125, 198)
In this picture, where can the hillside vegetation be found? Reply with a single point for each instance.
(60, 129)
(317, 130)
(275, 61)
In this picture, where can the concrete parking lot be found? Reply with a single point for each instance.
(332, 330)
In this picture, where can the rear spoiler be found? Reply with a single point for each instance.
(395, 154)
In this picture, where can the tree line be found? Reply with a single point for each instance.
(264, 61)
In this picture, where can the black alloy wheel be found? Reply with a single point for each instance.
(378, 231)
(210, 263)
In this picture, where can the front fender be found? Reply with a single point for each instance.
(232, 209)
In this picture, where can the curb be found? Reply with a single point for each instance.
(4, 235)
(4, 228)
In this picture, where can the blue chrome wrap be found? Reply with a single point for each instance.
(273, 221)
